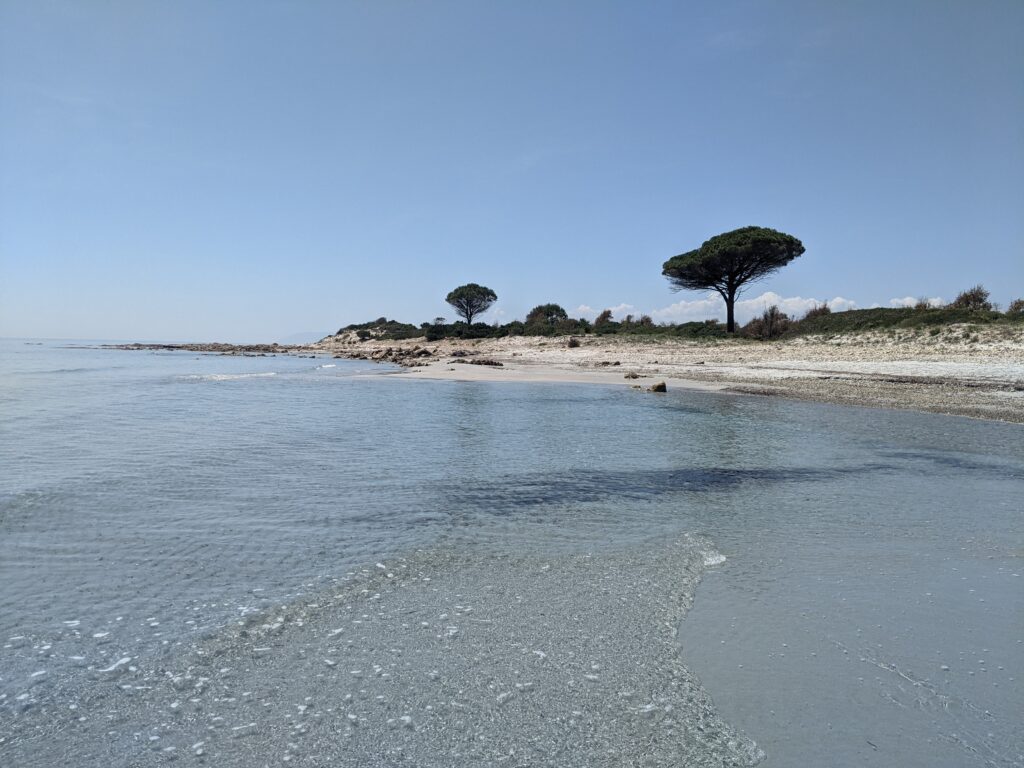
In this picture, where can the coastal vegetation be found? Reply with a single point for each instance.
(386, 329)
(883, 318)
(729, 261)
(546, 314)
(976, 298)
(773, 323)
(725, 264)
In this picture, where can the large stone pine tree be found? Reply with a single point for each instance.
(470, 300)
(727, 262)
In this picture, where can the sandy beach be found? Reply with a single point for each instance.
(961, 370)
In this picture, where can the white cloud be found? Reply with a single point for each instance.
(713, 306)
(839, 304)
(685, 311)
(910, 301)
(794, 306)
(619, 311)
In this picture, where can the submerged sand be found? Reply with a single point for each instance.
(959, 370)
(438, 659)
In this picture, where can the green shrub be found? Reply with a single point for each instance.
(883, 318)
(770, 325)
(818, 311)
(384, 329)
(546, 314)
(706, 329)
(975, 299)
(1016, 308)
(474, 331)
(570, 326)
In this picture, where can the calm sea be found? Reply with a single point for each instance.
(862, 600)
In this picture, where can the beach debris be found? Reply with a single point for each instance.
(481, 361)
(658, 387)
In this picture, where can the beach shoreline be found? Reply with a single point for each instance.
(983, 379)
(970, 371)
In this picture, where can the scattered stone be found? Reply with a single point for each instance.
(658, 387)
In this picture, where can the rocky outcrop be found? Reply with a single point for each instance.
(248, 350)
(403, 356)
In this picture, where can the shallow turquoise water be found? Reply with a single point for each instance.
(868, 613)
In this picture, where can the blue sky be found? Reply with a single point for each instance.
(249, 170)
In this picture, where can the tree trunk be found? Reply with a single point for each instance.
(730, 306)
